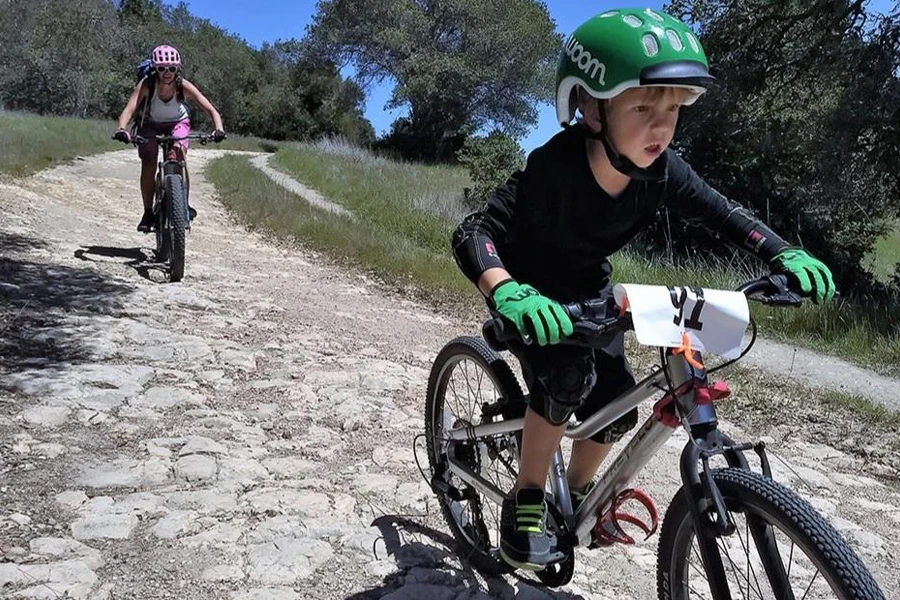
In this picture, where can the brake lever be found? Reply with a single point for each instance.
(587, 328)
(788, 299)
(785, 296)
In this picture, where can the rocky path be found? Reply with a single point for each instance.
(248, 434)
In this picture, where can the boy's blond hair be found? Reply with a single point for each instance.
(651, 94)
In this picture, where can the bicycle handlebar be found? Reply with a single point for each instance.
(203, 138)
(593, 327)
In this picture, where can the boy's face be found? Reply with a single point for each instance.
(641, 121)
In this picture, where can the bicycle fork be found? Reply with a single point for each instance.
(712, 519)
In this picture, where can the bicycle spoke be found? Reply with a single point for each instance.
(734, 569)
(451, 385)
(691, 588)
(747, 533)
(790, 560)
(809, 587)
(479, 382)
(468, 387)
(746, 548)
(695, 550)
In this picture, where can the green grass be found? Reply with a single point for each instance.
(420, 204)
(858, 405)
(243, 143)
(263, 204)
(31, 143)
(886, 256)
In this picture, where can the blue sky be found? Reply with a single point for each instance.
(270, 20)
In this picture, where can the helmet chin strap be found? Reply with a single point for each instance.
(622, 164)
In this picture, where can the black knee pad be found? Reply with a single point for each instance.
(564, 385)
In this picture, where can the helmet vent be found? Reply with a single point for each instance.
(695, 45)
(654, 16)
(632, 20)
(609, 13)
(651, 46)
(674, 39)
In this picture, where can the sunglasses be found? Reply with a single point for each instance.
(170, 69)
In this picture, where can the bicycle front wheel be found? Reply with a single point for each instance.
(782, 548)
(176, 211)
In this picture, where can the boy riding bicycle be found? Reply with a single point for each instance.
(165, 114)
(549, 230)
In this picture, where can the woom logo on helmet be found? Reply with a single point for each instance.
(587, 63)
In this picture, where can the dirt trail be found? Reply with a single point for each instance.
(247, 434)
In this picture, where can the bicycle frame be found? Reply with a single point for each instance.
(642, 447)
(699, 420)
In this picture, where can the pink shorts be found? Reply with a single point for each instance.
(149, 151)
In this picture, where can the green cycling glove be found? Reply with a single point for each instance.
(812, 274)
(531, 312)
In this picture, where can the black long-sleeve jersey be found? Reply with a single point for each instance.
(552, 225)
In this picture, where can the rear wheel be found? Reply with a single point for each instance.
(471, 385)
(176, 212)
(781, 548)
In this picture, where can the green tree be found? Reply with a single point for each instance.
(803, 127)
(49, 72)
(458, 65)
(280, 91)
(490, 160)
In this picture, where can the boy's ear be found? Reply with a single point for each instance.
(581, 96)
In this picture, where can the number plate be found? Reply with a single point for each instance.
(715, 320)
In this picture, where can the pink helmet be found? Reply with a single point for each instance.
(165, 56)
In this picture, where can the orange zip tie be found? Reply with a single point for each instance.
(688, 352)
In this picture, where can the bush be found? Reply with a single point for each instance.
(490, 160)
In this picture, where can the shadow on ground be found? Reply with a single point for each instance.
(429, 567)
(137, 258)
(40, 303)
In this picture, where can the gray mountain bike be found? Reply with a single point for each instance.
(729, 532)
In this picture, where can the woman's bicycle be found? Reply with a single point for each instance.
(729, 532)
(171, 212)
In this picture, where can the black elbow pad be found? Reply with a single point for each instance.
(752, 235)
(474, 252)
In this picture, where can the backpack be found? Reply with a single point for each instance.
(146, 73)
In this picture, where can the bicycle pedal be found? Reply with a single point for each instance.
(556, 557)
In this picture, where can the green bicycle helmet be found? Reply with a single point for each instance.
(626, 48)
(622, 49)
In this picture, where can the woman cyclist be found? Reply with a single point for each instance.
(163, 94)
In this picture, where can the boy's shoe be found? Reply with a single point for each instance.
(146, 223)
(579, 494)
(192, 214)
(524, 541)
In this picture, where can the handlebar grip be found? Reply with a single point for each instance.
(499, 330)
(780, 280)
